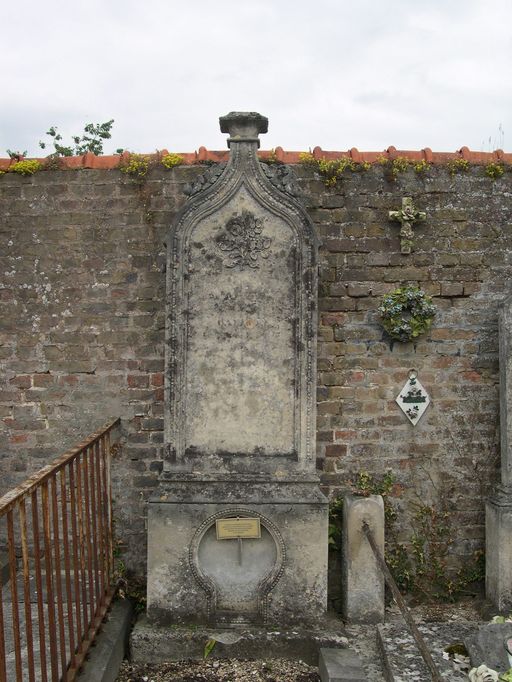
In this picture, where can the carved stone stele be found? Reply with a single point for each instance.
(240, 402)
(241, 308)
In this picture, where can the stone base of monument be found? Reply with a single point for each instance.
(238, 550)
(157, 644)
(498, 540)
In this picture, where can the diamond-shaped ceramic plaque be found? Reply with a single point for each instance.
(413, 399)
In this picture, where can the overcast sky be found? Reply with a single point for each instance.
(334, 73)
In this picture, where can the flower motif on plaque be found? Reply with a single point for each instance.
(244, 242)
(413, 399)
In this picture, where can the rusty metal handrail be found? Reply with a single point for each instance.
(418, 638)
(43, 474)
(59, 523)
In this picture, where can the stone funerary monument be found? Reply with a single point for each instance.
(238, 525)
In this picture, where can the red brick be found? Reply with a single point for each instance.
(42, 380)
(137, 380)
(21, 381)
(19, 438)
(69, 379)
(472, 376)
(331, 319)
(346, 434)
(335, 450)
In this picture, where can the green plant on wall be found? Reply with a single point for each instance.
(136, 166)
(17, 156)
(399, 165)
(332, 170)
(171, 160)
(455, 166)
(494, 170)
(271, 158)
(421, 167)
(394, 167)
(25, 167)
(406, 313)
(91, 140)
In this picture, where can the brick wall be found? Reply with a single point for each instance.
(82, 329)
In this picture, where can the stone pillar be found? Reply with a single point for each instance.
(498, 519)
(363, 581)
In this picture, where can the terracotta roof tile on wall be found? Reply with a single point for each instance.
(89, 160)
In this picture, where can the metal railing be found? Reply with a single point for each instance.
(57, 528)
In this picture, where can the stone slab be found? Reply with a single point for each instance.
(403, 662)
(498, 546)
(340, 665)
(156, 644)
(486, 645)
(109, 648)
(505, 354)
(241, 322)
(363, 582)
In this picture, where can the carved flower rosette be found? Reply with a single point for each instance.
(243, 242)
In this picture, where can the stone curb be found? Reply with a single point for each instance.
(158, 644)
(107, 653)
(340, 665)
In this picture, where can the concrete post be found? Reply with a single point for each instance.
(363, 581)
(498, 517)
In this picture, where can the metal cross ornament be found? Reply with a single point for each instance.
(407, 216)
(413, 399)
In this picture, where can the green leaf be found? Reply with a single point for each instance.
(208, 648)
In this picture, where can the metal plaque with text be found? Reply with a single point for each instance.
(231, 529)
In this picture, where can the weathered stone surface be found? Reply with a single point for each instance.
(486, 645)
(498, 554)
(192, 577)
(340, 665)
(241, 309)
(402, 660)
(110, 645)
(498, 519)
(362, 579)
(505, 350)
(240, 408)
(150, 644)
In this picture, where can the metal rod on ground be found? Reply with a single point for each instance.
(436, 675)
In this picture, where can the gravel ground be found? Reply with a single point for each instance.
(229, 670)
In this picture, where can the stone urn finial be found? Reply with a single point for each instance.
(243, 126)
